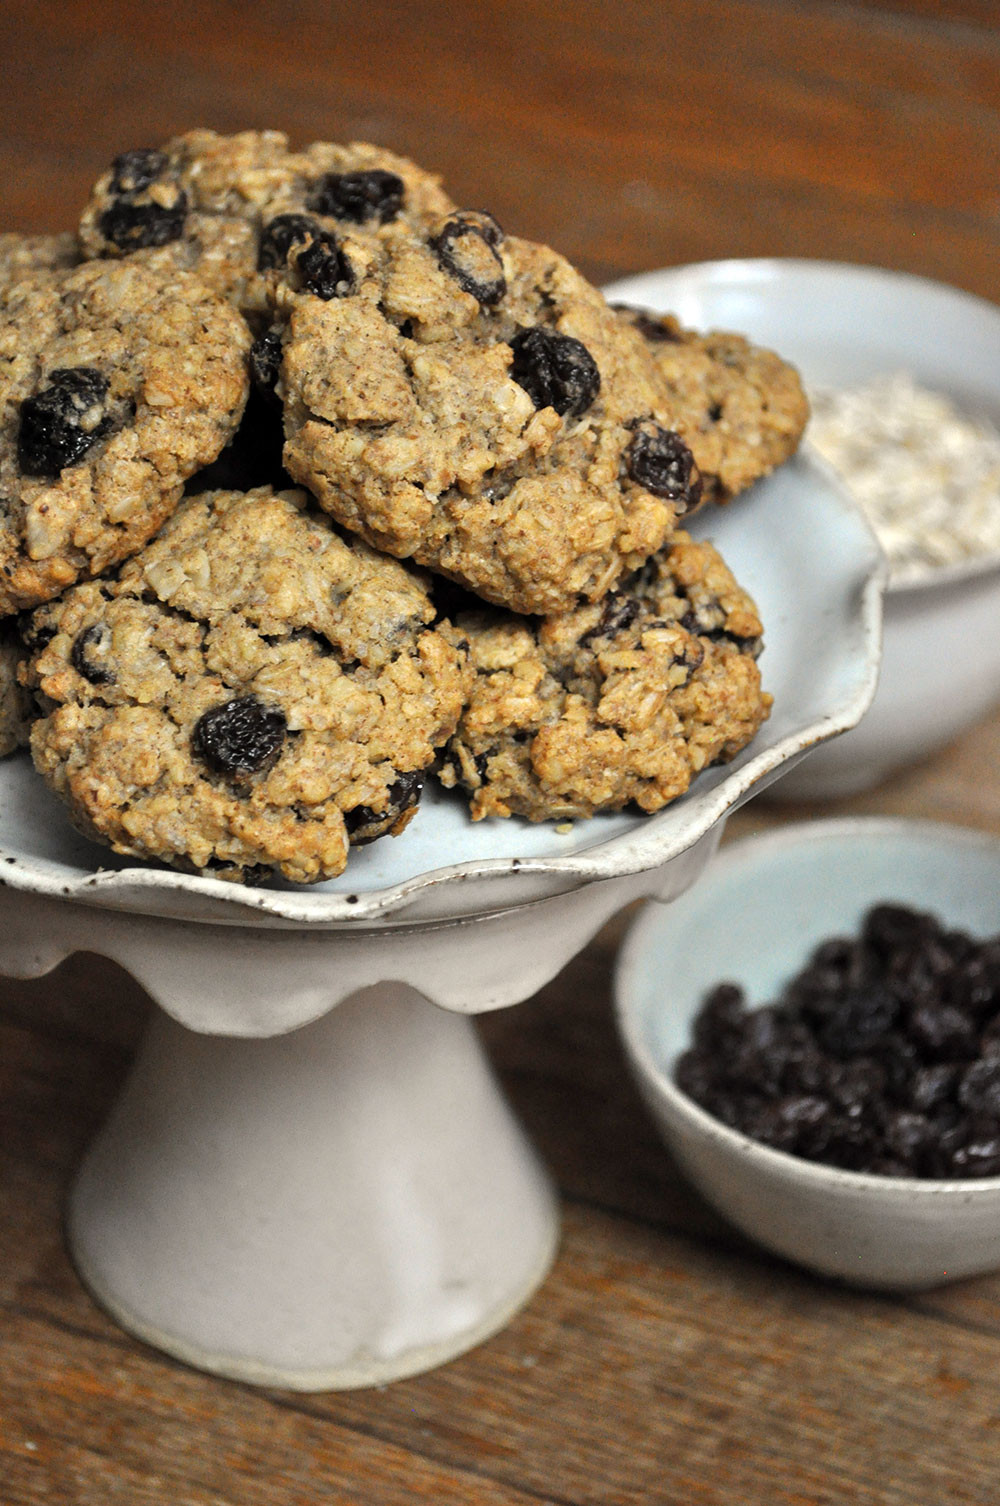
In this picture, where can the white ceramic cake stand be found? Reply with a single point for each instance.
(317, 1197)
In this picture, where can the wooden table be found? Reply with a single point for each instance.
(665, 1361)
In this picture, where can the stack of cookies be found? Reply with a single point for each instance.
(313, 484)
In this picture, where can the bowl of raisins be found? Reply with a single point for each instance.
(815, 1027)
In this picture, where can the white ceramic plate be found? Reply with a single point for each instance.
(798, 545)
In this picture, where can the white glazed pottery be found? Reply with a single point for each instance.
(761, 907)
(841, 325)
(314, 1197)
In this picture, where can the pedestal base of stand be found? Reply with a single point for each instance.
(339, 1207)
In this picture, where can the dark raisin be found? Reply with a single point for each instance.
(659, 460)
(133, 171)
(265, 364)
(324, 269)
(942, 1032)
(934, 1086)
(977, 1158)
(657, 330)
(468, 248)
(979, 1088)
(280, 235)
(853, 1143)
(837, 953)
(720, 1018)
(34, 632)
(854, 1085)
(62, 421)
(360, 196)
(900, 1060)
(974, 986)
(891, 929)
(951, 1132)
(240, 737)
(695, 1076)
(89, 654)
(801, 1068)
(908, 1136)
(365, 824)
(808, 1121)
(130, 222)
(556, 371)
(618, 613)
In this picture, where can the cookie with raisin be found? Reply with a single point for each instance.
(250, 695)
(465, 399)
(115, 387)
(616, 703)
(739, 407)
(230, 207)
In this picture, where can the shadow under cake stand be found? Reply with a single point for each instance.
(319, 1197)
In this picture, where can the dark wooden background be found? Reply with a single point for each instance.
(665, 1361)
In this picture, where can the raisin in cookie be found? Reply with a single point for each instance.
(466, 399)
(740, 408)
(251, 693)
(14, 703)
(25, 255)
(620, 702)
(114, 388)
(229, 207)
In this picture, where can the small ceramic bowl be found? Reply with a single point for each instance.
(842, 325)
(753, 919)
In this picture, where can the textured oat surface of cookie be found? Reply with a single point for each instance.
(467, 399)
(114, 388)
(740, 408)
(248, 696)
(618, 702)
(228, 207)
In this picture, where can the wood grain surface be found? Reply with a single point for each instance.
(665, 1361)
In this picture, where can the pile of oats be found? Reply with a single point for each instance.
(926, 474)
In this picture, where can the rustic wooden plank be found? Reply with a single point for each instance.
(646, 1365)
(119, 1424)
(633, 137)
(980, 13)
(661, 1377)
